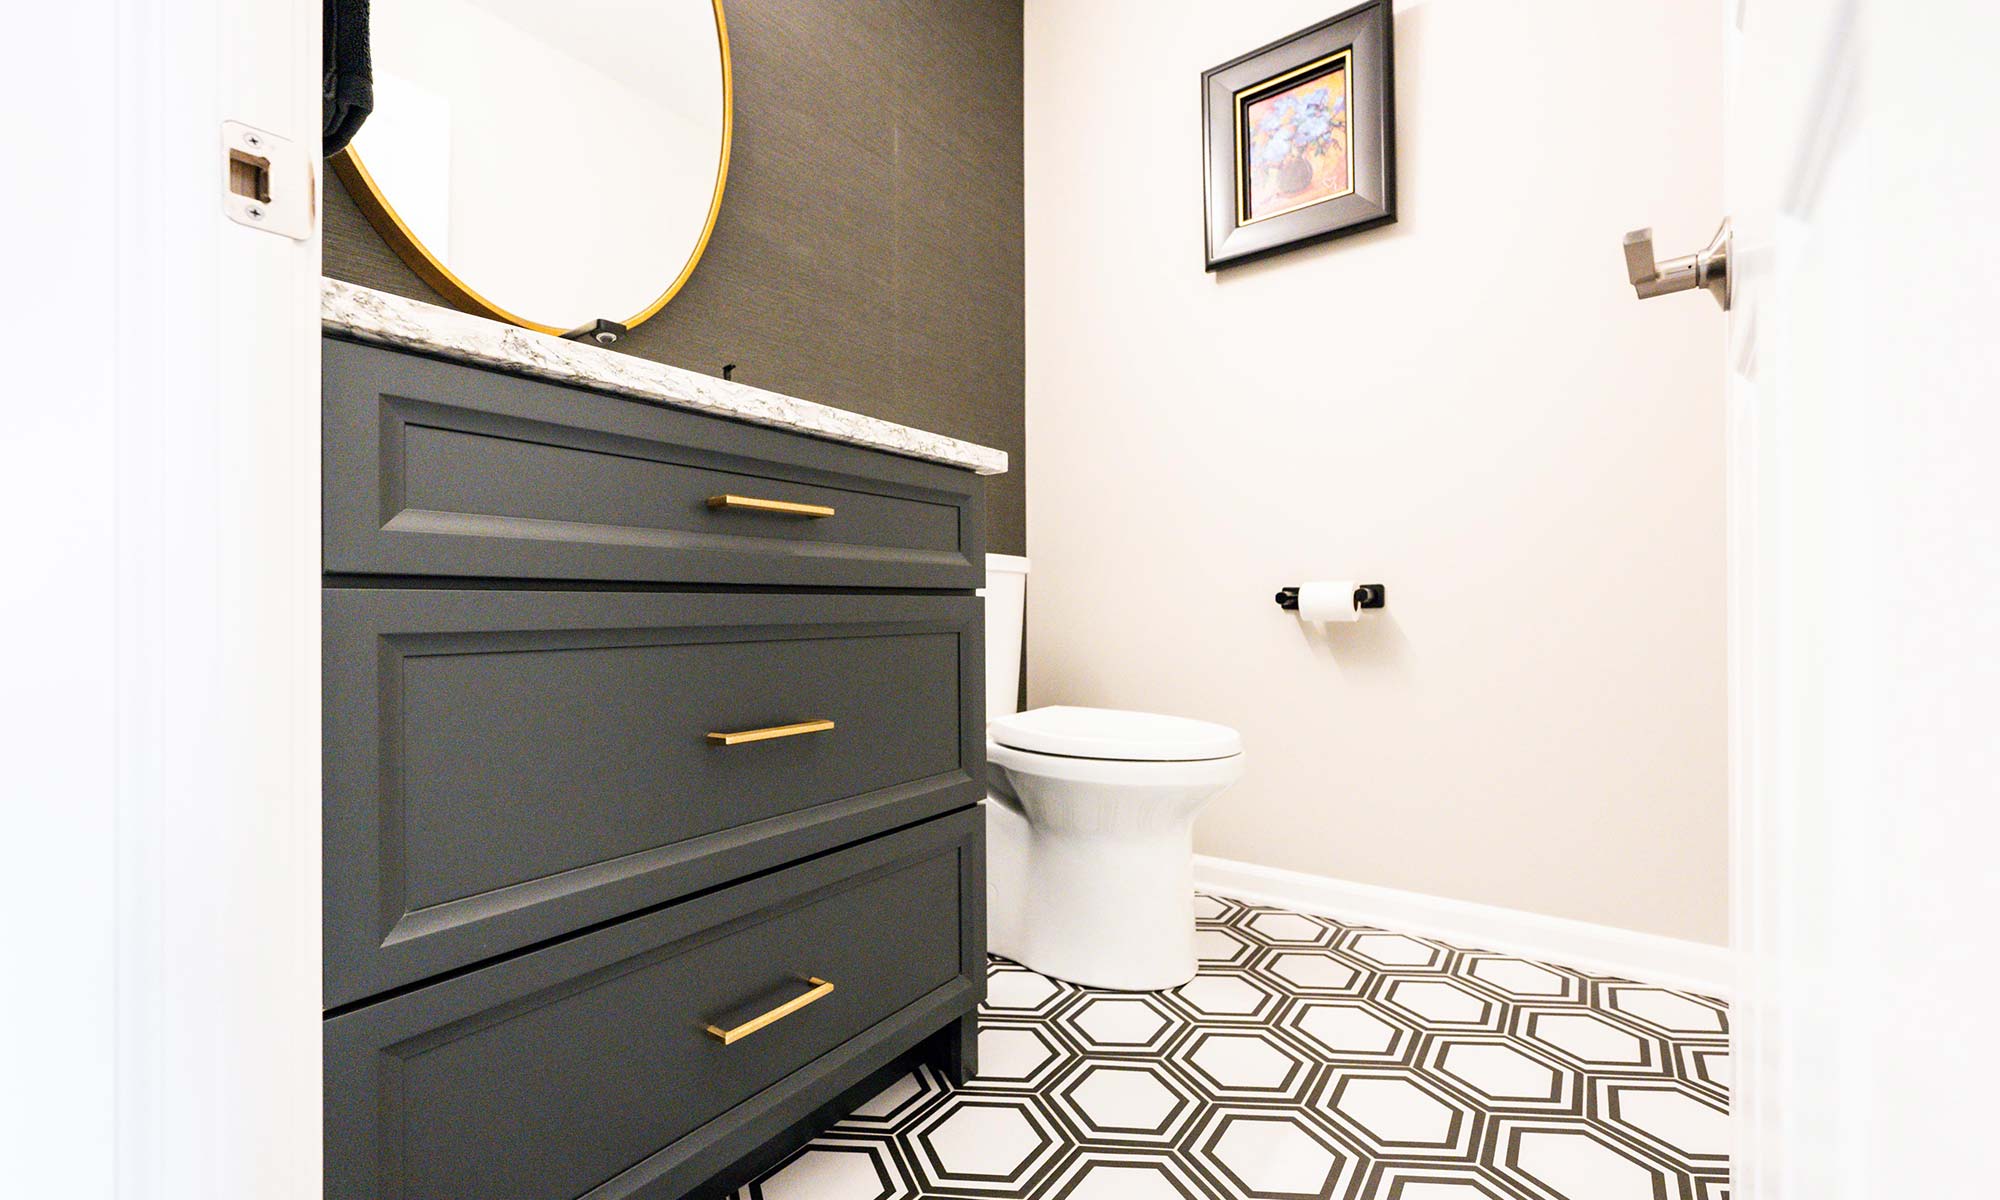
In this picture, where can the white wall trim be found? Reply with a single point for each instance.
(1599, 949)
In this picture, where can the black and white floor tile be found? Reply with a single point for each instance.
(1309, 1060)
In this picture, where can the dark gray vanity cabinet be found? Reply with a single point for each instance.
(650, 821)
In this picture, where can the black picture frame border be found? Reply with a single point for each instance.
(1369, 30)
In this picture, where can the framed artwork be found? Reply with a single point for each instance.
(1299, 138)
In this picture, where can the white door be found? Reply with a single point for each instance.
(1865, 610)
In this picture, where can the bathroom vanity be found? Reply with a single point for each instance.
(653, 750)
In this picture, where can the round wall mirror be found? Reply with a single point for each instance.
(546, 164)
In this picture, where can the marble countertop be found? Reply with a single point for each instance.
(371, 316)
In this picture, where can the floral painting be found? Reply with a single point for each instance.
(1298, 138)
(1298, 152)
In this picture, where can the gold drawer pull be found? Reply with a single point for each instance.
(821, 989)
(767, 733)
(790, 508)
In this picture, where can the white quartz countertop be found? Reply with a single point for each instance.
(371, 316)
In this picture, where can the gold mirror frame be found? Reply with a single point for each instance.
(410, 248)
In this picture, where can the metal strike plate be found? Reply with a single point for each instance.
(267, 181)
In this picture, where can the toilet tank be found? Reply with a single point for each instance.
(1006, 593)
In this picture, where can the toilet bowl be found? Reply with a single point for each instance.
(1090, 838)
(1089, 822)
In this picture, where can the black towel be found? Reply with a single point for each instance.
(349, 83)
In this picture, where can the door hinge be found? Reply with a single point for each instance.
(267, 181)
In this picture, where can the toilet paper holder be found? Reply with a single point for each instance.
(1366, 595)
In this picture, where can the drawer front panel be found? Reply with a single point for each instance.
(437, 468)
(587, 1068)
(508, 766)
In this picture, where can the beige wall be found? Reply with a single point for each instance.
(1468, 406)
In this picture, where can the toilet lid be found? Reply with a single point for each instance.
(1110, 733)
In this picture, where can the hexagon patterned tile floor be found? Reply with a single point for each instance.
(1309, 1060)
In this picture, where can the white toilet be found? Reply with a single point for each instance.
(1089, 820)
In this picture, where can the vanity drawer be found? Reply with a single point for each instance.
(435, 468)
(507, 766)
(589, 1068)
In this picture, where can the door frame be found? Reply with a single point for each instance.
(166, 477)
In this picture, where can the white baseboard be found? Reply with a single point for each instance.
(1598, 949)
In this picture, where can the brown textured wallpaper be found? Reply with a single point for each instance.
(868, 253)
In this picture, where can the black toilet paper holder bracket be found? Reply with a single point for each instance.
(1366, 595)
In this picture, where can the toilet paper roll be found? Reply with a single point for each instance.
(1327, 600)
